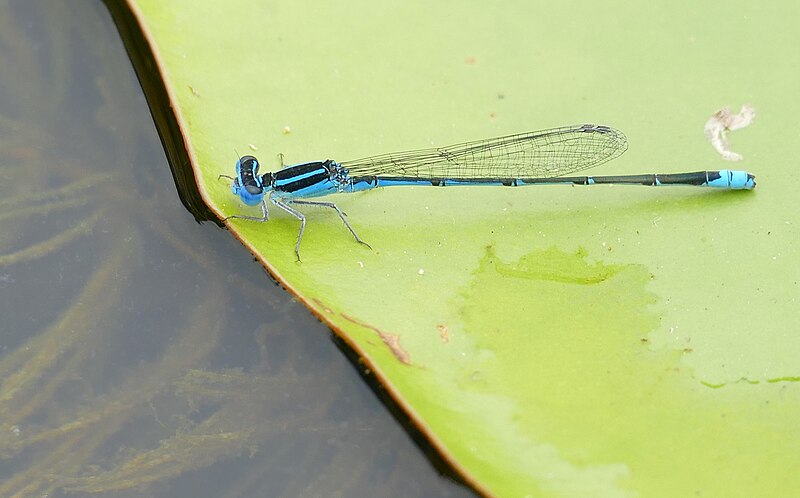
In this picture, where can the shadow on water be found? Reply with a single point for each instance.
(142, 353)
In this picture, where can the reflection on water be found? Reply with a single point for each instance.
(141, 353)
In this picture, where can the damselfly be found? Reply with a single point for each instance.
(534, 158)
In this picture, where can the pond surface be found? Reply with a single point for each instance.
(142, 353)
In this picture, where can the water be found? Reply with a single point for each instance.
(141, 352)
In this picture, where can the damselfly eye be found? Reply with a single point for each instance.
(235, 186)
(249, 163)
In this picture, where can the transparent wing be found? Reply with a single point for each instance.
(543, 154)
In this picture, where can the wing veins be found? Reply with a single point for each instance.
(544, 153)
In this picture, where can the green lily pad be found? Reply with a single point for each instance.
(550, 341)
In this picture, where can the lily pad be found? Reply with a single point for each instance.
(549, 341)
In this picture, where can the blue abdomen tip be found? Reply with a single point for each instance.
(740, 180)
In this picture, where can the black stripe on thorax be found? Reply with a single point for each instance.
(301, 176)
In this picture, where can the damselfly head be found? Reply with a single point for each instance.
(247, 184)
(247, 166)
